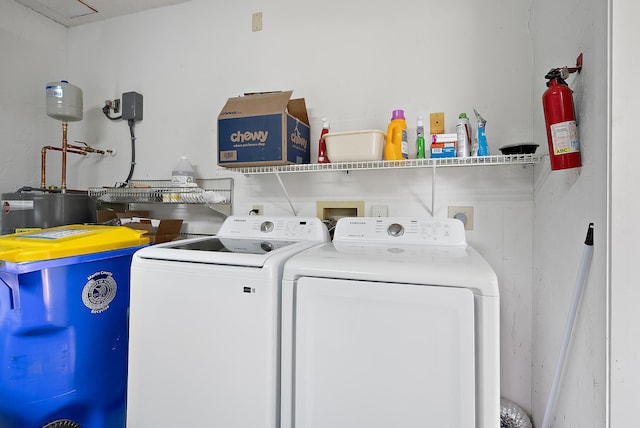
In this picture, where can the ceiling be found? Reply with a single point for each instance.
(76, 12)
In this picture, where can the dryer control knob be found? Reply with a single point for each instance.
(267, 226)
(395, 229)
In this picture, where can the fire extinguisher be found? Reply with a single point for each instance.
(560, 120)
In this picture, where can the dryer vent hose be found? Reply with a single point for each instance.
(512, 416)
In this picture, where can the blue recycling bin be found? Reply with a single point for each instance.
(64, 300)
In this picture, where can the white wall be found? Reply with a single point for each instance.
(565, 203)
(33, 52)
(352, 63)
(625, 293)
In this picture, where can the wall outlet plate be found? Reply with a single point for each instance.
(379, 211)
(462, 213)
(257, 210)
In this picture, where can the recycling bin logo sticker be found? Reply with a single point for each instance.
(99, 291)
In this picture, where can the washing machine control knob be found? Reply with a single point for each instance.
(266, 246)
(395, 229)
(266, 226)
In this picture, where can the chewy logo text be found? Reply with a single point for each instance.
(299, 140)
(241, 137)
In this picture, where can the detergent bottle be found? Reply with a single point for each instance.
(396, 137)
(463, 130)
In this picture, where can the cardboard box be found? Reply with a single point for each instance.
(443, 150)
(444, 138)
(106, 216)
(158, 231)
(167, 229)
(443, 145)
(263, 129)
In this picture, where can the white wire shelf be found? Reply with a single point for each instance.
(216, 193)
(519, 159)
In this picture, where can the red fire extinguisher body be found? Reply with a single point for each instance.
(562, 131)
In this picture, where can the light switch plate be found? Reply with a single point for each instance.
(256, 21)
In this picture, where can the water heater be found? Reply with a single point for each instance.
(64, 101)
(36, 209)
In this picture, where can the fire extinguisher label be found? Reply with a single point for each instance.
(564, 136)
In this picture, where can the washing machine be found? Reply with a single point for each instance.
(393, 324)
(205, 325)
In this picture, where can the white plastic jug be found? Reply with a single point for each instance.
(183, 174)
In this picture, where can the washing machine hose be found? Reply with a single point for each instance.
(512, 415)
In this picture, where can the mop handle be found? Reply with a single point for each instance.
(569, 327)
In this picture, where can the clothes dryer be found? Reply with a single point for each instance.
(205, 321)
(395, 323)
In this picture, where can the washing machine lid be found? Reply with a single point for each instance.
(398, 250)
(244, 241)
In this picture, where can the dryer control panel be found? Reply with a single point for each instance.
(401, 230)
(254, 226)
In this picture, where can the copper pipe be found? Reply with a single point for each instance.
(43, 162)
(66, 148)
(86, 148)
(63, 186)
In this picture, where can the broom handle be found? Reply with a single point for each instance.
(568, 331)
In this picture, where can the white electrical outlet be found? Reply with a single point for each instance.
(257, 210)
(464, 214)
(113, 105)
(379, 211)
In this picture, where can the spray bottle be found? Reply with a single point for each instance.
(322, 146)
(396, 137)
(420, 138)
(483, 147)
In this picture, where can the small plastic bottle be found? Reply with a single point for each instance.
(420, 143)
(396, 137)
(322, 146)
(183, 174)
(463, 129)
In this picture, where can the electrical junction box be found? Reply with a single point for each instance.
(436, 123)
(131, 106)
(263, 129)
(326, 210)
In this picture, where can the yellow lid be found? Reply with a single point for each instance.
(67, 241)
